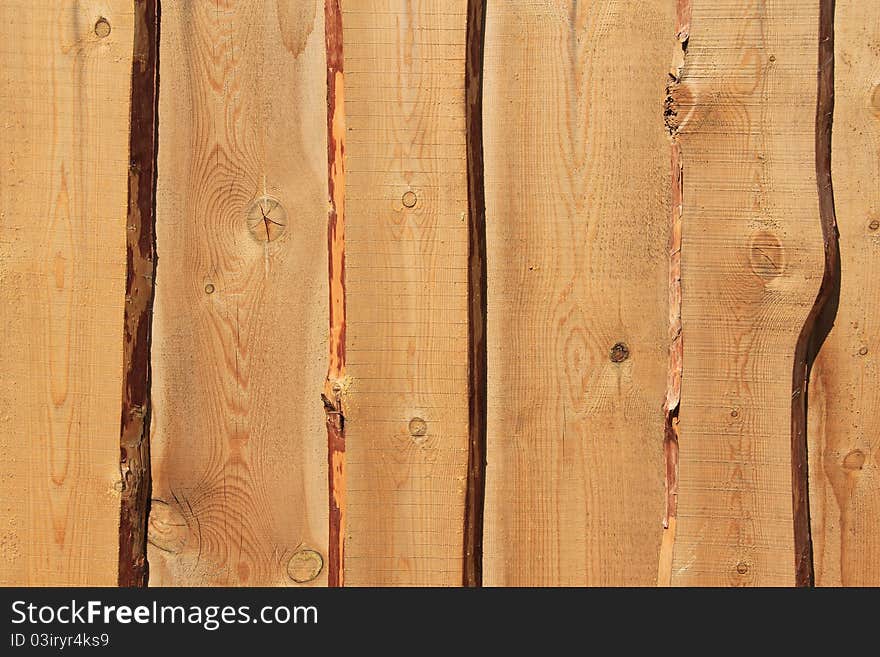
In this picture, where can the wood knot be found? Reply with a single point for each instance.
(742, 572)
(102, 28)
(418, 428)
(854, 460)
(305, 565)
(266, 219)
(167, 529)
(766, 255)
(619, 353)
(409, 199)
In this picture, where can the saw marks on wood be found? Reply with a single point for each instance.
(844, 428)
(406, 401)
(64, 85)
(752, 260)
(577, 191)
(239, 334)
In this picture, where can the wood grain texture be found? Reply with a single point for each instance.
(240, 325)
(406, 395)
(63, 183)
(752, 261)
(577, 193)
(843, 426)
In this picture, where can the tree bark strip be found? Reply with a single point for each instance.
(476, 492)
(332, 395)
(821, 317)
(141, 259)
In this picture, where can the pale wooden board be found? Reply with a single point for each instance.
(844, 428)
(752, 260)
(406, 283)
(577, 187)
(239, 442)
(63, 185)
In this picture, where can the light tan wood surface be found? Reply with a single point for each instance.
(751, 267)
(406, 278)
(240, 324)
(656, 187)
(844, 427)
(64, 88)
(577, 192)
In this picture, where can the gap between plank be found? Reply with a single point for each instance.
(821, 316)
(140, 276)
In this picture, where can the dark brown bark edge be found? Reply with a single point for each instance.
(477, 361)
(140, 273)
(821, 316)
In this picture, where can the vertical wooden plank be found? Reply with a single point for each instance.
(239, 335)
(65, 75)
(744, 113)
(577, 185)
(406, 394)
(844, 428)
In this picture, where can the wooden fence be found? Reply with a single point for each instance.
(439, 292)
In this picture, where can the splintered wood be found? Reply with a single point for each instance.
(405, 401)
(240, 323)
(577, 184)
(844, 426)
(64, 83)
(752, 260)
